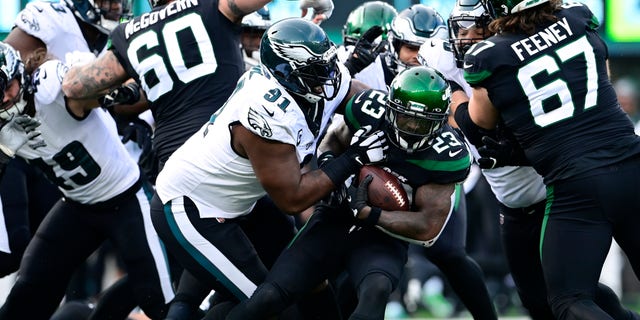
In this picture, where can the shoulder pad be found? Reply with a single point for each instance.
(366, 108)
(44, 20)
(47, 80)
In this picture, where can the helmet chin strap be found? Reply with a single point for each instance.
(410, 147)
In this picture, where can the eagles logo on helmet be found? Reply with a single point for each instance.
(302, 58)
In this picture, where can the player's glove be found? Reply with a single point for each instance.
(126, 94)
(500, 152)
(364, 52)
(19, 131)
(322, 9)
(366, 147)
(358, 201)
(338, 195)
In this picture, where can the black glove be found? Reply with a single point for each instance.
(364, 52)
(358, 201)
(138, 131)
(366, 147)
(499, 153)
(125, 94)
(338, 195)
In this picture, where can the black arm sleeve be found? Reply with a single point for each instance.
(471, 130)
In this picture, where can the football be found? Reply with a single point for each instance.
(385, 190)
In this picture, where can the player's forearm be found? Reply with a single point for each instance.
(94, 79)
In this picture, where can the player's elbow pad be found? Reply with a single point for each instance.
(472, 131)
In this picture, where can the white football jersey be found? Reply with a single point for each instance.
(207, 170)
(372, 75)
(435, 55)
(83, 157)
(515, 187)
(55, 25)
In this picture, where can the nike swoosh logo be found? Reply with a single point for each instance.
(465, 65)
(433, 44)
(357, 100)
(39, 9)
(454, 153)
(270, 113)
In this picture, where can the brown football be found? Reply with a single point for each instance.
(385, 190)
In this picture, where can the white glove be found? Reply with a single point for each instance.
(322, 9)
(369, 147)
(18, 131)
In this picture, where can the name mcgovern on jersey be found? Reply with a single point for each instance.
(149, 18)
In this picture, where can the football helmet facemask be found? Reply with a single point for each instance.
(365, 16)
(417, 108)
(104, 15)
(503, 8)
(413, 26)
(11, 68)
(300, 56)
(467, 15)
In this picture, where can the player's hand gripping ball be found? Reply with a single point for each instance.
(385, 190)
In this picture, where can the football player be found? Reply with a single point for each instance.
(558, 90)
(519, 189)
(430, 159)
(362, 55)
(103, 195)
(60, 28)
(253, 27)
(255, 146)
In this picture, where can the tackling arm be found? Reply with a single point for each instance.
(277, 168)
(94, 79)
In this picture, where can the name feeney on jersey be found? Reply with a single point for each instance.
(553, 92)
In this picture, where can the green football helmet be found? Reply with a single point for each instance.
(467, 14)
(503, 8)
(11, 67)
(365, 16)
(299, 54)
(417, 108)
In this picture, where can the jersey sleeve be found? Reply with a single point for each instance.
(45, 20)
(366, 108)
(48, 81)
(119, 47)
(261, 109)
(436, 53)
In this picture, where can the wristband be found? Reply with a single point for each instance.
(341, 168)
(373, 217)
